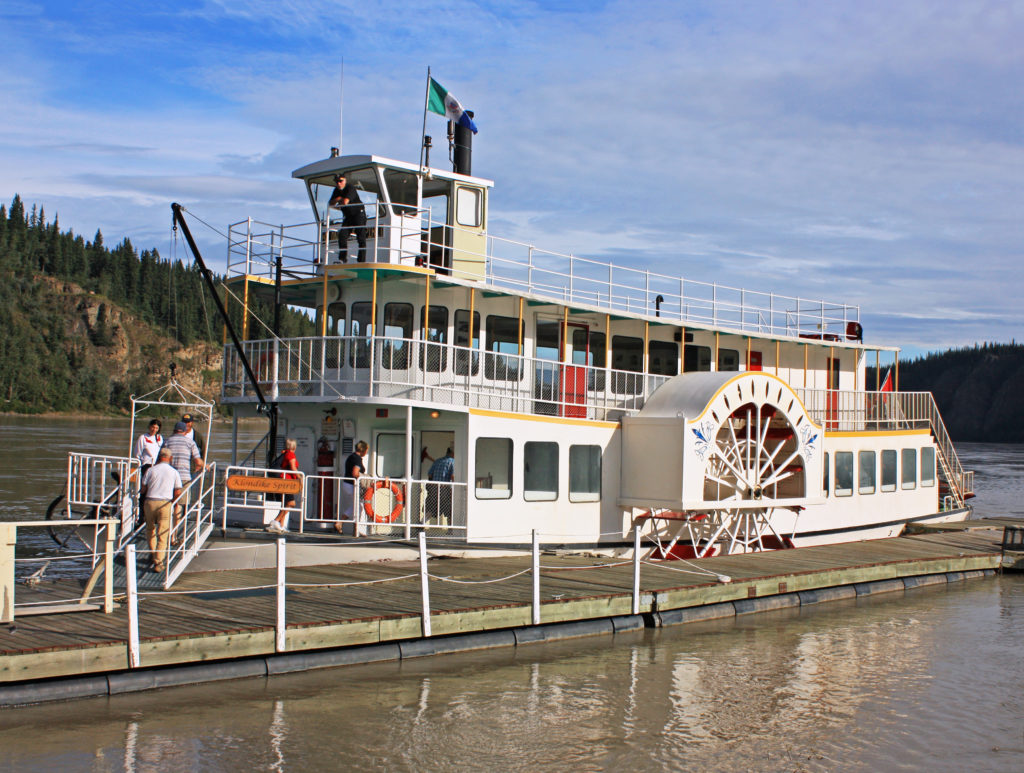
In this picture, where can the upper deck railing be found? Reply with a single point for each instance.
(518, 267)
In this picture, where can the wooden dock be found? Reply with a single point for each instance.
(224, 624)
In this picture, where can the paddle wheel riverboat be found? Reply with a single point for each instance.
(580, 399)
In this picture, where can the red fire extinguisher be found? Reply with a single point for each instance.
(325, 466)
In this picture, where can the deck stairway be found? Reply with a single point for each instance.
(958, 482)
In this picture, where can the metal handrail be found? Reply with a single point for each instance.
(515, 266)
(338, 366)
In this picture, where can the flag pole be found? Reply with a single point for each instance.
(426, 101)
(341, 108)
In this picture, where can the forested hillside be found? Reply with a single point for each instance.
(85, 326)
(978, 390)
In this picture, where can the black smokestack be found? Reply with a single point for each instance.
(462, 160)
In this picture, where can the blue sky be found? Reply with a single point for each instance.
(862, 152)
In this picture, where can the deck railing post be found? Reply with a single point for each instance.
(280, 628)
(424, 586)
(8, 539)
(636, 570)
(535, 568)
(133, 606)
(108, 570)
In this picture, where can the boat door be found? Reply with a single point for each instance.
(832, 395)
(574, 372)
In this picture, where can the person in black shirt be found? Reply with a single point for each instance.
(354, 469)
(346, 198)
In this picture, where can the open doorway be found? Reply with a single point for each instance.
(433, 445)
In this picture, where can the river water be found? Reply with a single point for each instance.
(930, 679)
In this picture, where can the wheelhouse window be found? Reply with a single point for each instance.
(696, 358)
(908, 465)
(493, 468)
(927, 467)
(728, 359)
(844, 473)
(364, 180)
(888, 470)
(866, 472)
(663, 358)
(540, 472)
(584, 473)
(627, 355)
(469, 209)
(435, 336)
(463, 357)
(503, 337)
(397, 332)
(403, 190)
(360, 351)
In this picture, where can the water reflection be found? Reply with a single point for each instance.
(907, 681)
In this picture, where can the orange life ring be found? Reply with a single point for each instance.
(396, 492)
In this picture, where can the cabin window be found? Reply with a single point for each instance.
(824, 475)
(696, 358)
(584, 473)
(389, 461)
(540, 472)
(908, 468)
(501, 362)
(493, 468)
(663, 358)
(469, 209)
(397, 332)
(335, 354)
(844, 473)
(888, 470)
(462, 356)
(546, 374)
(728, 359)
(866, 472)
(627, 355)
(927, 466)
(435, 335)
(360, 352)
(595, 377)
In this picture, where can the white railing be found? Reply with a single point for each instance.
(105, 487)
(387, 507)
(254, 248)
(192, 521)
(319, 368)
(847, 411)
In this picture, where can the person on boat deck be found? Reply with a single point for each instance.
(354, 470)
(346, 198)
(148, 446)
(191, 433)
(287, 461)
(160, 487)
(185, 459)
(439, 498)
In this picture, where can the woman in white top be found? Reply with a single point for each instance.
(147, 447)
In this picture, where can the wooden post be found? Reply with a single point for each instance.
(281, 627)
(8, 539)
(682, 349)
(896, 377)
(831, 362)
(645, 359)
(134, 661)
(748, 354)
(715, 363)
(878, 366)
(245, 309)
(776, 358)
(108, 570)
(408, 471)
(519, 331)
(636, 570)
(805, 366)
(323, 305)
(535, 568)
(424, 584)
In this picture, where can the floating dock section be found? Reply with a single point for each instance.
(259, 622)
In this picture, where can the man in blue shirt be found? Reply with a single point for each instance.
(439, 496)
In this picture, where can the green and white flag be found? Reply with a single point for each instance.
(441, 102)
